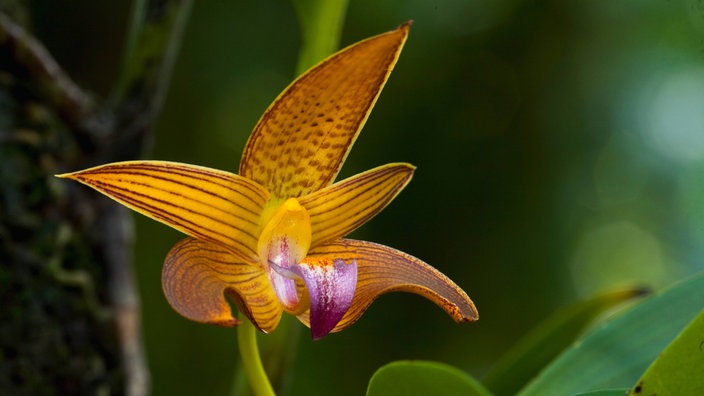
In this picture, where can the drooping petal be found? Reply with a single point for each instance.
(204, 203)
(381, 269)
(337, 210)
(302, 139)
(283, 243)
(331, 287)
(197, 275)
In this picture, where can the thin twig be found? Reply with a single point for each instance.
(71, 103)
(154, 40)
(154, 37)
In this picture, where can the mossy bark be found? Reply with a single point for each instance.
(69, 314)
(57, 327)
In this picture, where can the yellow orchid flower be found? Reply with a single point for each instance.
(271, 237)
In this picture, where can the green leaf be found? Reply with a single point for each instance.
(537, 348)
(422, 378)
(616, 354)
(604, 392)
(679, 370)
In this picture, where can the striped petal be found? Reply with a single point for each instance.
(337, 210)
(204, 203)
(381, 269)
(197, 275)
(302, 139)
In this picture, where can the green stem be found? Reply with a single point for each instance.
(249, 351)
(321, 26)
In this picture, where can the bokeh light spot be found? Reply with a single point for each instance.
(674, 118)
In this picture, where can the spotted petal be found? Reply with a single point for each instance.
(302, 139)
(381, 269)
(337, 210)
(205, 203)
(197, 275)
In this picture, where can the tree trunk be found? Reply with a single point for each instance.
(69, 320)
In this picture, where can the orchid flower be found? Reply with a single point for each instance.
(271, 237)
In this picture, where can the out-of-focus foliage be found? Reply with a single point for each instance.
(604, 392)
(616, 354)
(559, 146)
(422, 378)
(547, 340)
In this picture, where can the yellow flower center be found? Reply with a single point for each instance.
(284, 243)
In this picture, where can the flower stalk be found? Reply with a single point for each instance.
(249, 352)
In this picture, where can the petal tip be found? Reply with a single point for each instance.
(472, 316)
(410, 168)
(228, 322)
(70, 175)
(463, 311)
(406, 25)
(318, 335)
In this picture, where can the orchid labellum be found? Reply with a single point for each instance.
(272, 236)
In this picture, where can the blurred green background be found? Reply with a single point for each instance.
(559, 146)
